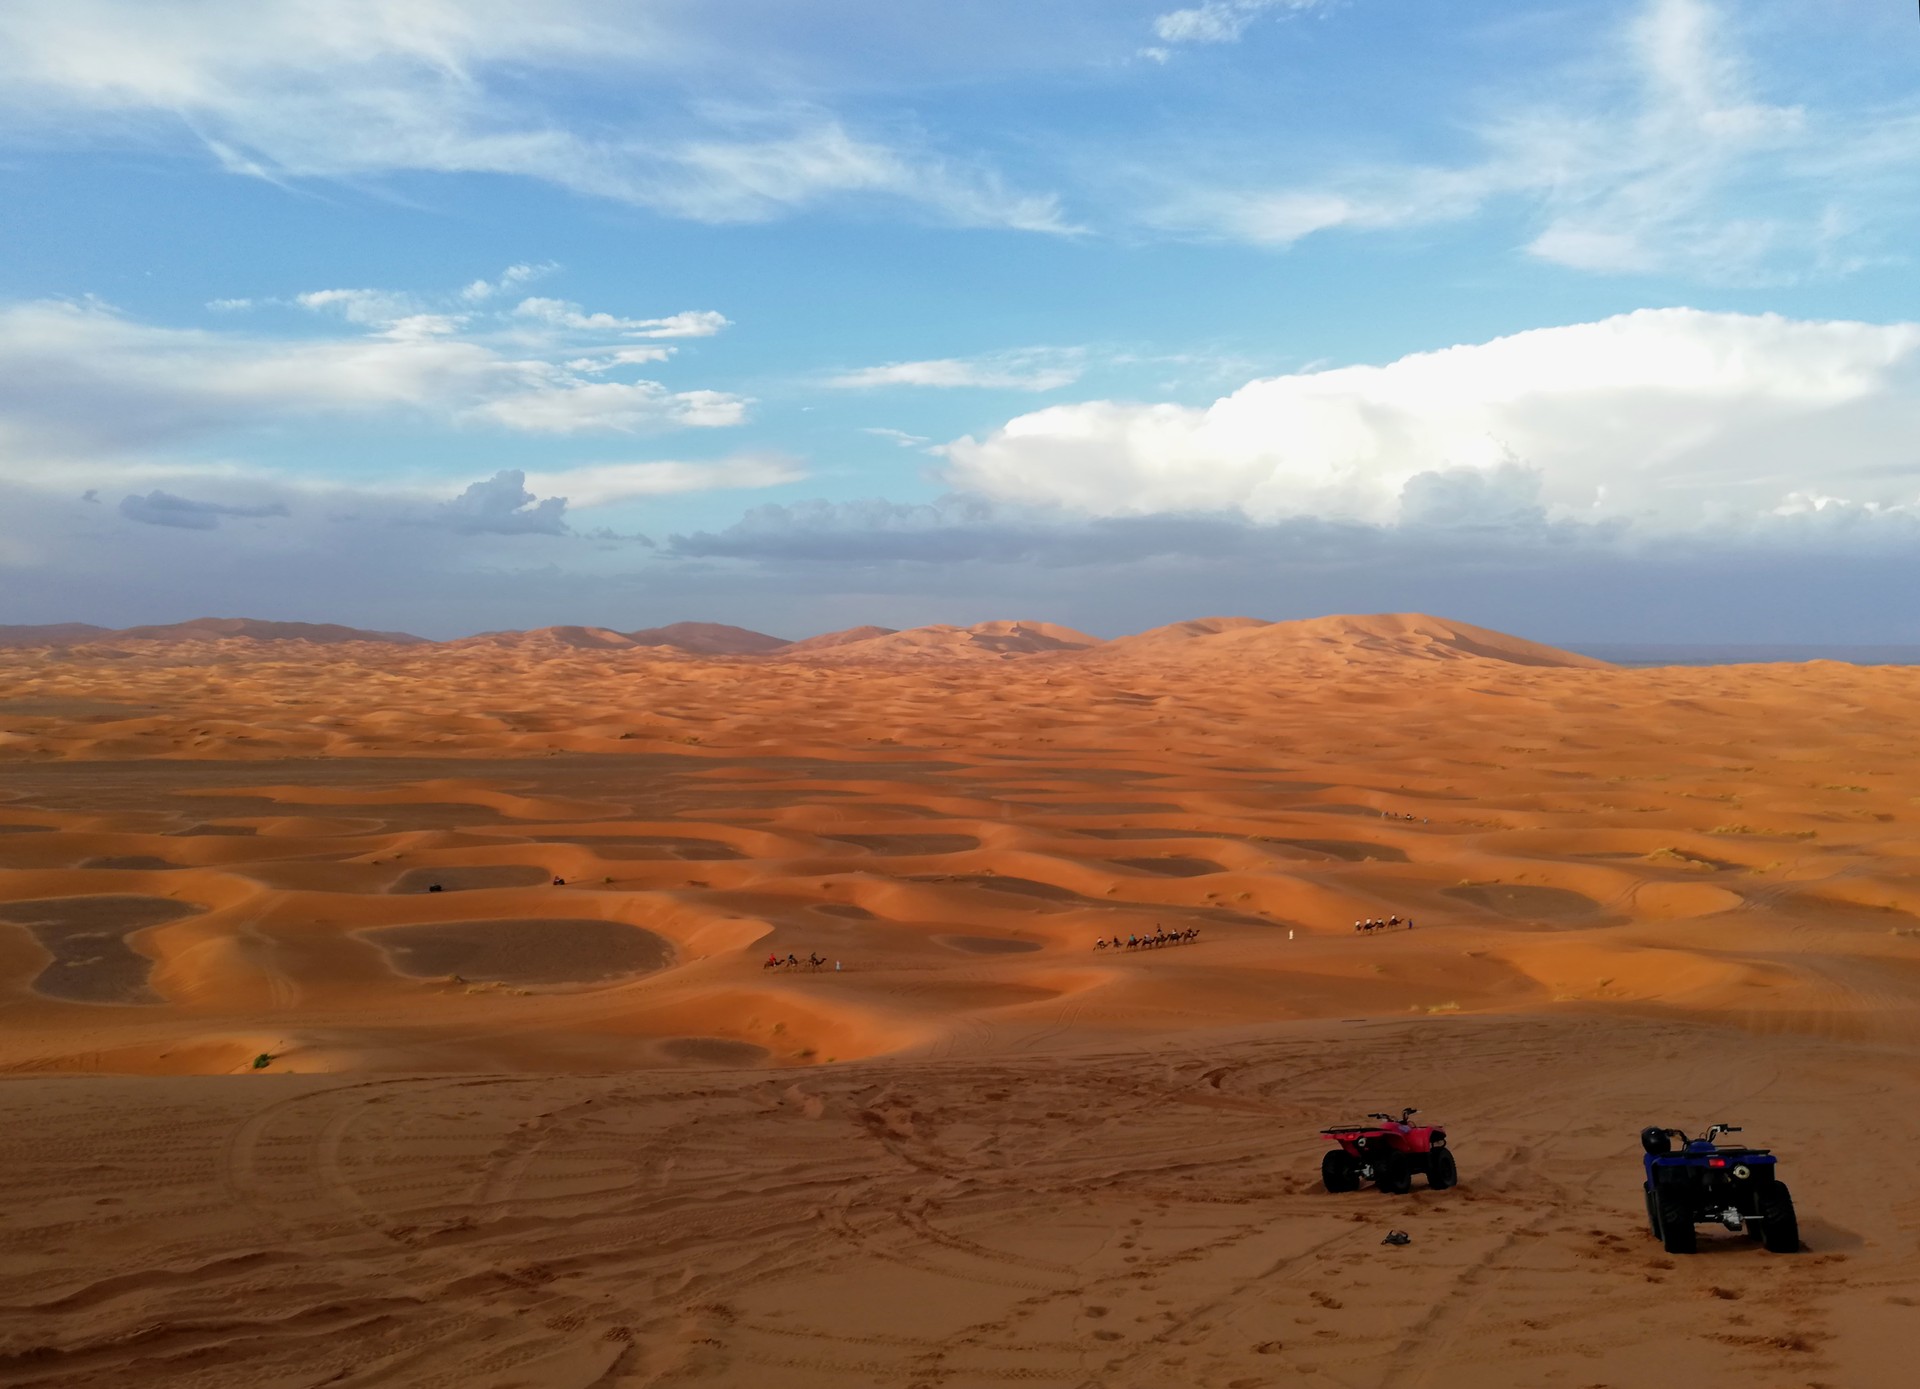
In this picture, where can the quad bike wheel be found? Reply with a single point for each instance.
(1393, 1176)
(1677, 1235)
(1339, 1172)
(1442, 1170)
(1653, 1216)
(1779, 1228)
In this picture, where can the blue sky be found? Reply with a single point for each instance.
(1591, 320)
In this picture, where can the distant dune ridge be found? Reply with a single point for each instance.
(1400, 635)
(982, 640)
(1409, 635)
(846, 637)
(699, 638)
(200, 629)
(708, 639)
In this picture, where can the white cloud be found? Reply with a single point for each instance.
(562, 313)
(375, 307)
(748, 176)
(600, 484)
(1219, 21)
(569, 407)
(899, 436)
(1035, 369)
(356, 88)
(479, 291)
(690, 323)
(1673, 419)
(1664, 155)
(79, 380)
(619, 357)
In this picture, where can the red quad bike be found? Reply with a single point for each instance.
(1388, 1154)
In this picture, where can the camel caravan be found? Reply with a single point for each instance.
(812, 963)
(1152, 942)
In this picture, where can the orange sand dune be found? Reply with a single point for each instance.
(558, 1122)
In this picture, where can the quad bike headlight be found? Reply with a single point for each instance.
(1742, 1171)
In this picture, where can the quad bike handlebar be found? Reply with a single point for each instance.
(1405, 1114)
(1656, 1139)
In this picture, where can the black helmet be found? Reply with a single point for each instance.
(1656, 1140)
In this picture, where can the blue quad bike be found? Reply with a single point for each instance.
(1706, 1182)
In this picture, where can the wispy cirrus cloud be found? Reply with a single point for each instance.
(562, 313)
(1667, 154)
(1028, 369)
(292, 92)
(1220, 21)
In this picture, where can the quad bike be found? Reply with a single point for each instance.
(1388, 1154)
(1706, 1182)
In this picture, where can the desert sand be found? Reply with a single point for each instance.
(276, 1113)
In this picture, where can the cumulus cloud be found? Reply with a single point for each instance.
(618, 357)
(1673, 418)
(1035, 369)
(288, 92)
(82, 380)
(377, 307)
(502, 505)
(479, 291)
(159, 508)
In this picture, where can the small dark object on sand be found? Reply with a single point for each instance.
(433, 887)
(262, 1061)
(1397, 1237)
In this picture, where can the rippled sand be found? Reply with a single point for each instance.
(979, 1150)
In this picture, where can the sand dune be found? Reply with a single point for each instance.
(1394, 636)
(991, 640)
(846, 637)
(252, 629)
(50, 633)
(520, 1131)
(708, 639)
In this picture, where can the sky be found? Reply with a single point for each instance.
(1594, 321)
